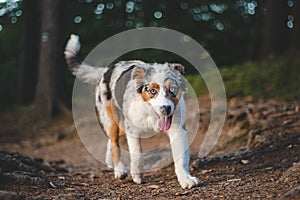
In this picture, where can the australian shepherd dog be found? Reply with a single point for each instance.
(134, 98)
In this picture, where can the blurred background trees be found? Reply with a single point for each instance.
(236, 32)
(30, 50)
(50, 95)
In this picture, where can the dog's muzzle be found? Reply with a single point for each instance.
(165, 120)
(165, 110)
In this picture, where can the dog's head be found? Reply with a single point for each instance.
(161, 85)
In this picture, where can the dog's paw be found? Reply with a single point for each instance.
(120, 171)
(189, 182)
(136, 178)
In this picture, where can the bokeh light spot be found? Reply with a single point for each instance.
(290, 24)
(184, 5)
(100, 6)
(290, 3)
(19, 13)
(110, 6)
(77, 19)
(128, 23)
(158, 14)
(14, 20)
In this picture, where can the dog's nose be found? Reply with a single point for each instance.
(165, 110)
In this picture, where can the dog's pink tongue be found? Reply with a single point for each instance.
(164, 123)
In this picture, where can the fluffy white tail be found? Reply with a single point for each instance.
(81, 70)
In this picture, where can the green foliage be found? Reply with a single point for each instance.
(271, 78)
(9, 84)
(197, 83)
(10, 61)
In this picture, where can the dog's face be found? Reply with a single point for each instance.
(162, 87)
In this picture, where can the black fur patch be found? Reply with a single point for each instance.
(130, 68)
(74, 61)
(107, 79)
(140, 89)
(121, 85)
(99, 98)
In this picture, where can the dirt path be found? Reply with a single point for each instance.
(257, 157)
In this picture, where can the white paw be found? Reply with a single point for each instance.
(136, 178)
(109, 162)
(120, 171)
(189, 182)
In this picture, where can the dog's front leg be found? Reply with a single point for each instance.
(136, 157)
(180, 150)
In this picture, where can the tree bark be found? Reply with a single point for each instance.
(30, 51)
(295, 32)
(51, 86)
(275, 36)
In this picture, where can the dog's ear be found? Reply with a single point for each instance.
(180, 69)
(177, 67)
(138, 75)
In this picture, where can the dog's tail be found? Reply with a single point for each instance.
(81, 70)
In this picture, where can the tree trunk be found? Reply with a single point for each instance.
(30, 51)
(51, 86)
(295, 37)
(149, 8)
(275, 36)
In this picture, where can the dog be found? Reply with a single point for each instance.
(134, 98)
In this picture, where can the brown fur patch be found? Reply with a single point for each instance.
(177, 94)
(177, 97)
(114, 132)
(146, 93)
(121, 128)
(177, 67)
(138, 74)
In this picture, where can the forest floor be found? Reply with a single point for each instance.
(256, 157)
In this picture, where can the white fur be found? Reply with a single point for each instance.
(120, 171)
(136, 159)
(89, 74)
(160, 100)
(141, 116)
(108, 156)
(72, 47)
(84, 72)
(180, 149)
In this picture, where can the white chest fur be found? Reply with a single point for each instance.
(141, 115)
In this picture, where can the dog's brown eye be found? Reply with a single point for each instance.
(153, 91)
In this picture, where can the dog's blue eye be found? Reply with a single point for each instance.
(153, 92)
(172, 90)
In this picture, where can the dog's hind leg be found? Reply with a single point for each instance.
(108, 156)
(119, 168)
